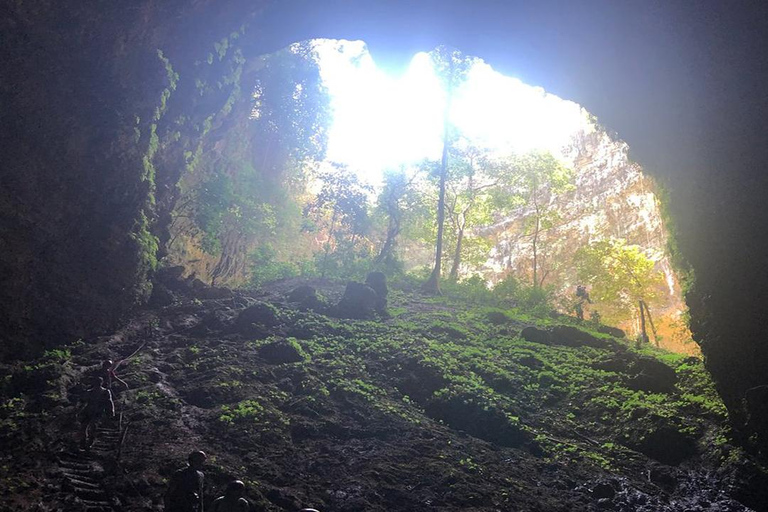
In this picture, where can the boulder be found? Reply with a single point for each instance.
(562, 335)
(651, 375)
(359, 301)
(261, 314)
(536, 335)
(161, 296)
(497, 317)
(611, 331)
(282, 351)
(306, 297)
(378, 282)
(574, 337)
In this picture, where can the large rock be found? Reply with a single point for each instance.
(282, 351)
(260, 314)
(306, 297)
(652, 375)
(562, 335)
(359, 301)
(378, 282)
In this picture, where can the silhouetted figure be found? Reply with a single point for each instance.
(108, 369)
(98, 400)
(233, 500)
(583, 294)
(185, 490)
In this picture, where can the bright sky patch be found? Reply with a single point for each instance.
(382, 121)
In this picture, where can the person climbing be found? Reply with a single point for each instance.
(233, 500)
(185, 489)
(97, 401)
(108, 373)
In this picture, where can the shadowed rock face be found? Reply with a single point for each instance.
(89, 175)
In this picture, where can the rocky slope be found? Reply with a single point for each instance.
(441, 406)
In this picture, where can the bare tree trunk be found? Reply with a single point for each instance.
(432, 286)
(327, 247)
(535, 254)
(650, 321)
(387, 250)
(643, 333)
(454, 275)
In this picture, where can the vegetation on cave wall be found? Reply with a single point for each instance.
(85, 188)
(238, 196)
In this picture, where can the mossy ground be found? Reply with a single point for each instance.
(442, 406)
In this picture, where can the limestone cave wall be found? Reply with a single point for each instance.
(101, 110)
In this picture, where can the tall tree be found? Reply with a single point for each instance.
(532, 180)
(451, 67)
(340, 213)
(398, 198)
(468, 202)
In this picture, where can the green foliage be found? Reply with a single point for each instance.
(245, 411)
(339, 213)
(620, 276)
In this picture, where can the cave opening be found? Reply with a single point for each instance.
(322, 111)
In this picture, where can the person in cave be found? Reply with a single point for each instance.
(582, 296)
(185, 489)
(97, 402)
(233, 500)
(108, 373)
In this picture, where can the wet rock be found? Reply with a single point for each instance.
(652, 375)
(359, 301)
(378, 282)
(260, 314)
(282, 351)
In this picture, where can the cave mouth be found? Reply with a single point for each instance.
(324, 108)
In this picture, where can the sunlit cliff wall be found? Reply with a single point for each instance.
(611, 198)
